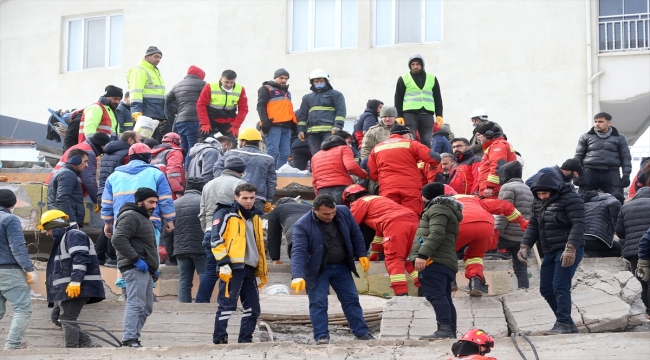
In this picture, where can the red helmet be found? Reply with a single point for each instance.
(172, 137)
(139, 148)
(479, 337)
(351, 190)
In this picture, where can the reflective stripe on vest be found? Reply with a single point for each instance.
(150, 90)
(104, 124)
(279, 108)
(221, 99)
(416, 98)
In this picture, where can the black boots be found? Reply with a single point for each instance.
(134, 343)
(476, 287)
(560, 328)
(443, 332)
(221, 341)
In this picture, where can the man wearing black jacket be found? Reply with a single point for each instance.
(558, 222)
(287, 211)
(417, 99)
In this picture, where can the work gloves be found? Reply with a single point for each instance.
(439, 121)
(31, 277)
(301, 136)
(141, 265)
(643, 270)
(625, 181)
(335, 130)
(205, 129)
(365, 263)
(400, 120)
(263, 281)
(268, 207)
(73, 290)
(298, 284)
(136, 115)
(523, 224)
(568, 257)
(97, 208)
(522, 255)
(225, 274)
(155, 277)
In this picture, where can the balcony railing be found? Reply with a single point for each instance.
(629, 32)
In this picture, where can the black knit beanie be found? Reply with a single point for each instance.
(433, 190)
(7, 198)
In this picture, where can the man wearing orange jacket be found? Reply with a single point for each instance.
(478, 233)
(395, 224)
(498, 152)
(394, 164)
(222, 107)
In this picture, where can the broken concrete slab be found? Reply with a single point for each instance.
(600, 313)
(527, 312)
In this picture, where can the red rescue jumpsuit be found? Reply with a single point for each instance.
(477, 229)
(498, 152)
(394, 165)
(397, 225)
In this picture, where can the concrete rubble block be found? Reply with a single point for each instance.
(416, 331)
(409, 303)
(248, 351)
(637, 314)
(424, 322)
(527, 312)
(623, 277)
(488, 315)
(396, 322)
(285, 351)
(600, 312)
(632, 290)
(613, 265)
(401, 331)
(397, 314)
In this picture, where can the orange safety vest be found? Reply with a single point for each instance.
(279, 108)
(105, 125)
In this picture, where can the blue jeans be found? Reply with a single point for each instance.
(15, 290)
(187, 264)
(242, 286)
(555, 284)
(435, 281)
(339, 277)
(188, 131)
(139, 302)
(278, 144)
(209, 278)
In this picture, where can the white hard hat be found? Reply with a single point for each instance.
(319, 73)
(479, 113)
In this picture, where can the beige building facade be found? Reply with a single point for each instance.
(540, 68)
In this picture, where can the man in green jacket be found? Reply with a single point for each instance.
(435, 255)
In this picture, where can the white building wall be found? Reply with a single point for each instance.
(523, 61)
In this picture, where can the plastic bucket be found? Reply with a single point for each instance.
(145, 126)
(277, 289)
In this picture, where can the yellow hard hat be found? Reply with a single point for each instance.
(250, 134)
(51, 215)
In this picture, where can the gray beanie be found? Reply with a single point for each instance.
(388, 111)
(235, 163)
(280, 72)
(152, 50)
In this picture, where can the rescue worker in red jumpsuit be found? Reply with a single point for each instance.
(394, 164)
(395, 224)
(169, 157)
(497, 152)
(473, 346)
(478, 233)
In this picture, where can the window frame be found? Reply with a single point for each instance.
(338, 5)
(395, 24)
(84, 28)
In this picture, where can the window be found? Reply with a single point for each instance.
(323, 24)
(407, 21)
(624, 25)
(94, 42)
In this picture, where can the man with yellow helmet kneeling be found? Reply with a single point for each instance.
(72, 275)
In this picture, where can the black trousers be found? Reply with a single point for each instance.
(164, 126)
(301, 156)
(70, 310)
(104, 249)
(645, 295)
(598, 248)
(423, 124)
(605, 180)
(520, 269)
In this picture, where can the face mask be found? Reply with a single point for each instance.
(319, 86)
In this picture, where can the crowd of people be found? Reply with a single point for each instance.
(401, 188)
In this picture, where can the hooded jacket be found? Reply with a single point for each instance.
(64, 193)
(220, 190)
(187, 237)
(514, 191)
(607, 153)
(121, 185)
(633, 221)
(203, 156)
(332, 165)
(440, 142)
(559, 220)
(13, 248)
(73, 259)
(437, 232)
(116, 153)
(169, 158)
(308, 254)
(185, 94)
(260, 170)
(554, 171)
(473, 142)
(321, 110)
(363, 123)
(498, 152)
(372, 137)
(134, 238)
(601, 215)
(464, 176)
(419, 79)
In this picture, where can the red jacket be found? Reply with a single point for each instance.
(379, 211)
(169, 158)
(394, 162)
(464, 176)
(332, 165)
(204, 101)
(498, 152)
(477, 209)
